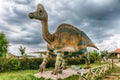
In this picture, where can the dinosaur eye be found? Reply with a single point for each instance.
(40, 11)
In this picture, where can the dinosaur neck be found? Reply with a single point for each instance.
(45, 32)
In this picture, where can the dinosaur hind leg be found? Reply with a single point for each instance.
(45, 61)
(64, 62)
(59, 60)
(87, 61)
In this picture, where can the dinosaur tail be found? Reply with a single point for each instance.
(89, 42)
(92, 45)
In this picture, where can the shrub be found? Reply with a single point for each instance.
(32, 63)
(24, 64)
(51, 63)
(13, 64)
(4, 64)
(75, 61)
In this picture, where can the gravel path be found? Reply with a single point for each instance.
(47, 74)
(114, 75)
(65, 74)
(118, 64)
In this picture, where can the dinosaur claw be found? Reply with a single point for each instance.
(42, 68)
(55, 72)
(87, 67)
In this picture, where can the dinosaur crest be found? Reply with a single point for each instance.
(39, 14)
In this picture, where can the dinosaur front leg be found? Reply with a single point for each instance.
(45, 61)
(64, 63)
(58, 63)
(87, 61)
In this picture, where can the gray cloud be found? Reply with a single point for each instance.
(23, 2)
(98, 20)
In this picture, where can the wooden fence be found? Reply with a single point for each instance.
(93, 73)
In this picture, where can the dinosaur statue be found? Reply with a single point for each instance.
(66, 38)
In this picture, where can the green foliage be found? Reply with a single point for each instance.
(22, 50)
(75, 61)
(29, 76)
(73, 77)
(94, 55)
(116, 69)
(32, 63)
(51, 63)
(3, 45)
(105, 53)
(3, 64)
(9, 64)
(13, 64)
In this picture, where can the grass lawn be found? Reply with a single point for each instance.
(28, 74)
(113, 74)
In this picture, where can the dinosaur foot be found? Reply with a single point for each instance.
(56, 72)
(87, 67)
(41, 68)
(64, 68)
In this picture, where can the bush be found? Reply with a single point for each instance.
(13, 64)
(32, 63)
(51, 63)
(75, 61)
(4, 64)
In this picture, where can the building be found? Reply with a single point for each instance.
(43, 53)
(116, 53)
(10, 55)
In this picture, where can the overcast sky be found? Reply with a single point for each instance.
(99, 19)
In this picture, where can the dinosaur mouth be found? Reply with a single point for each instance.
(31, 15)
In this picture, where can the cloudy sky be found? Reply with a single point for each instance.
(99, 19)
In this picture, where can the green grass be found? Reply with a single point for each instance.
(92, 65)
(111, 72)
(29, 74)
(15, 75)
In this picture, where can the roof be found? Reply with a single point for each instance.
(117, 50)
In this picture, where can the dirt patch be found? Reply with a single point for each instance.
(47, 74)
(66, 73)
(118, 64)
(115, 74)
(111, 78)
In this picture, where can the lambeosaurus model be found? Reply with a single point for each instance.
(66, 38)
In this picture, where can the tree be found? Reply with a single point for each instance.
(3, 45)
(96, 56)
(22, 50)
(105, 53)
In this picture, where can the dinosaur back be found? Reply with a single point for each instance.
(71, 29)
(66, 28)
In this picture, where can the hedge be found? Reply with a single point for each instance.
(32, 63)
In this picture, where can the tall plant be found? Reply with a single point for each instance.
(22, 50)
(96, 56)
(3, 45)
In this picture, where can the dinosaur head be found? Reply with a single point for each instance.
(39, 14)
